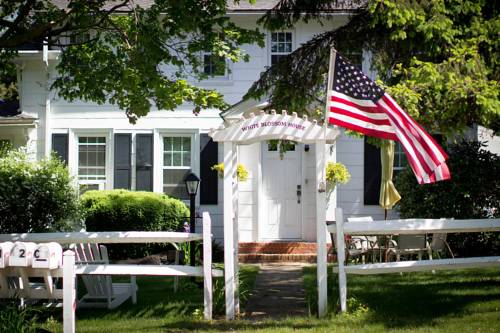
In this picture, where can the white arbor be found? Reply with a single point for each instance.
(270, 127)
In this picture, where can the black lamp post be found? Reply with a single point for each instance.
(192, 183)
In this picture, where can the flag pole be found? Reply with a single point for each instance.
(329, 87)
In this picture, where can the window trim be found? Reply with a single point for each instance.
(73, 158)
(227, 70)
(164, 135)
(105, 144)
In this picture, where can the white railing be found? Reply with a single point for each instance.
(407, 226)
(69, 269)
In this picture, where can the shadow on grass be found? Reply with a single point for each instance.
(221, 325)
(415, 299)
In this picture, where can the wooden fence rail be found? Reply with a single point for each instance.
(69, 269)
(406, 226)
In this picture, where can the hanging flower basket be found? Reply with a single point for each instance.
(336, 173)
(241, 171)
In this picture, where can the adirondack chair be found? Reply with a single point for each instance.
(101, 290)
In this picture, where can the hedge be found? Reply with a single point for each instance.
(472, 193)
(36, 196)
(122, 210)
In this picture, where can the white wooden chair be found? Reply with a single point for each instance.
(439, 244)
(408, 245)
(101, 291)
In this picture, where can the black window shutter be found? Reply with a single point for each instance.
(123, 168)
(209, 151)
(144, 158)
(60, 146)
(372, 174)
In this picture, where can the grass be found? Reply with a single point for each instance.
(157, 308)
(449, 301)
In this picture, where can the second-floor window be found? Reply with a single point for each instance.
(281, 45)
(214, 66)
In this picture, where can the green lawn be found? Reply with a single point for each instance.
(453, 301)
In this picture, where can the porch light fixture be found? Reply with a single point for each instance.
(192, 182)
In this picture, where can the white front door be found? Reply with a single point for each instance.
(282, 178)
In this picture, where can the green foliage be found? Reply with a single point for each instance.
(473, 192)
(121, 210)
(36, 196)
(18, 320)
(136, 55)
(438, 59)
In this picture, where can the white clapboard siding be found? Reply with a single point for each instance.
(114, 237)
(417, 226)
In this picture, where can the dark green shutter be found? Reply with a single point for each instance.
(372, 174)
(60, 146)
(144, 158)
(209, 151)
(123, 159)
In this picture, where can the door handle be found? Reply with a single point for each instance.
(299, 193)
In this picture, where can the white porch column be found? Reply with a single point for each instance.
(321, 227)
(229, 232)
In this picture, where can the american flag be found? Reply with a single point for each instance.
(355, 102)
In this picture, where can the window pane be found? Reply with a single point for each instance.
(177, 159)
(288, 36)
(186, 144)
(167, 159)
(274, 37)
(173, 183)
(288, 47)
(281, 47)
(281, 37)
(186, 159)
(167, 143)
(274, 47)
(177, 144)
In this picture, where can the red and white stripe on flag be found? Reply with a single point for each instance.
(384, 118)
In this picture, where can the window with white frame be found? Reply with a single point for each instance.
(176, 165)
(281, 45)
(214, 66)
(92, 161)
(400, 161)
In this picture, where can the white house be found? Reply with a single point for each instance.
(104, 151)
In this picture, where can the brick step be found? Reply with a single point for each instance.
(267, 258)
(278, 248)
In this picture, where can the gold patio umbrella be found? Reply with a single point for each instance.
(389, 196)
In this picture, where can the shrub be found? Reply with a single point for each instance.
(35, 196)
(472, 192)
(15, 319)
(121, 210)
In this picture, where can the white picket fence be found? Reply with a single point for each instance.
(69, 269)
(405, 226)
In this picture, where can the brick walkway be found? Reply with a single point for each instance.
(278, 292)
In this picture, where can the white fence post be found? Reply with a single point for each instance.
(229, 273)
(69, 292)
(339, 222)
(207, 266)
(321, 260)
